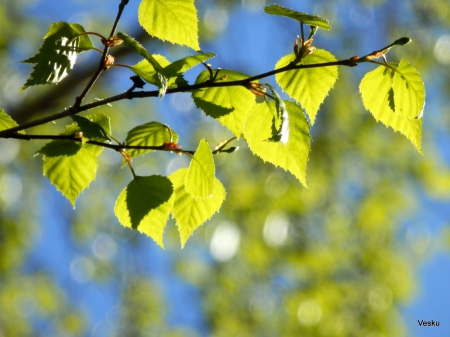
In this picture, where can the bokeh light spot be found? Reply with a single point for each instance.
(10, 188)
(309, 312)
(276, 185)
(104, 247)
(442, 49)
(9, 150)
(225, 241)
(276, 229)
(380, 298)
(82, 269)
(216, 20)
(182, 102)
(253, 5)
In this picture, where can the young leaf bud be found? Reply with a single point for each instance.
(296, 47)
(221, 144)
(109, 61)
(402, 41)
(353, 61)
(175, 148)
(78, 134)
(256, 88)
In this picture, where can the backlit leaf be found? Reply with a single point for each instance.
(200, 176)
(145, 205)
(58, 53)
(178, 67)
(6, 122)
(379, 89)
(292, 156)
(173, 70)
(138, 48)
(147, 71)
(229, 105)
(149, 134)
(188, 212)
(171, 20)
(69, 166)
(312, 20)
(308, 86)
(409, 91)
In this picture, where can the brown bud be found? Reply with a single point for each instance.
(352, 61)
(173, 147)
(256, 88)
(112, 41)
(109, 61)
(78, 134)
(296, 47)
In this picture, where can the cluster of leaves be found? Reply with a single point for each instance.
(276, 130)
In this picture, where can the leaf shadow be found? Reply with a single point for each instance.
(57, 148)
(211, 109)
(145, 194)
(391, 99)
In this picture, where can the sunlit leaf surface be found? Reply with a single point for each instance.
(145, 205)
(171, 20)
(58, 53)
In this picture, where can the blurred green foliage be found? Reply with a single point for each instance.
(281, 260)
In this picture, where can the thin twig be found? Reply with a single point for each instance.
(301, 31)
(211, 75)
(155, 93)
(101, 67)
(116, 147)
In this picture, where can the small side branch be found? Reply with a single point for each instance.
(101, 67)
(116, 147)
(155, 93)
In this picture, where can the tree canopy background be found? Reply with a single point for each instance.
(340, 258)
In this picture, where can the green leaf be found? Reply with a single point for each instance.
(188, 212)
(292, 156)
(58, 53)
(312, 20)
(178, 67)
(171, 20)
(200, 176)
(409, 91)
(149, 134)
(69, 166)
(308, 86)
(379, 89)
(172, 70)
(6, 122)
(229, 105)
(138, 48)
(147, 71)
(145, 205)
